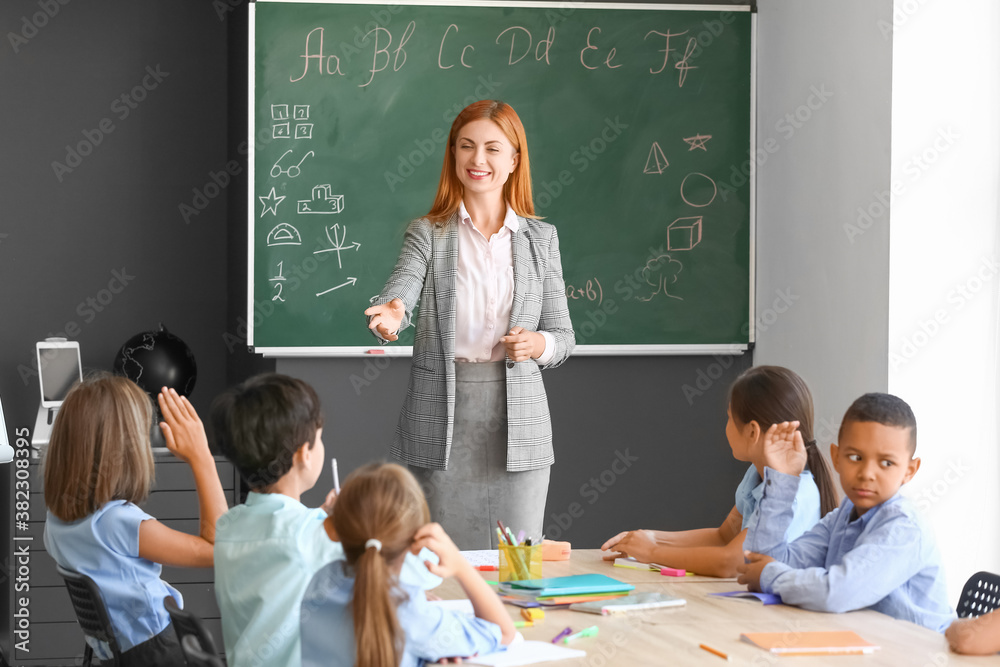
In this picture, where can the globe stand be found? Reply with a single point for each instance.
(156, 439)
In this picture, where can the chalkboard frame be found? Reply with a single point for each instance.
(580, 350)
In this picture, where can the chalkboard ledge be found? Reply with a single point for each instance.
(579, 350)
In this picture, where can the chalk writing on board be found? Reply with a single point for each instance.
(280, 275)
(293, 170)
(280, 131)
(323, 201)
(595, 52)
(698, 141)
(301, 112)
(277, 295)
(703, 177)
(337, 243)
(350, 281)
(591, 291)
(284, 234)
(657, 161)
(271, 202)
(279, 112)
(661, 273)
(684, 233)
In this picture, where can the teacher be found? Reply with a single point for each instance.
(474, 428)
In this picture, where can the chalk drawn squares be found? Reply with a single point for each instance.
(684, 233)
(301, 112)
(281, 131)
(304, 131)
(284, 234)
(279, 112)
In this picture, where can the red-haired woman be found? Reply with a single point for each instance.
(474, 428)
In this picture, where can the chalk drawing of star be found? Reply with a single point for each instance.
(698, 141)
(271, 202)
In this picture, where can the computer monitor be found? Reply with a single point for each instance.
(59, 368)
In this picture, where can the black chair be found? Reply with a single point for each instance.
(196, 657)
(187, 624)
(91, 614)
(981, 595)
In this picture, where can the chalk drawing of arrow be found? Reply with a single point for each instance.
(350, 281)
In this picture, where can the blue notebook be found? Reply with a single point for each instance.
(577, 584)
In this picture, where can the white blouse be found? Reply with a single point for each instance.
(484, 283)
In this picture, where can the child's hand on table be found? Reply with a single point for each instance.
(783, 448)
(750, 571)
(638, 544)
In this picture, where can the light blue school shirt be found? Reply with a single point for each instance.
(431, 632)
(885, 560)
(105, 547)
(266, 551)
(805, 506)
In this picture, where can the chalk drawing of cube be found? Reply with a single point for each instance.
(684, 233)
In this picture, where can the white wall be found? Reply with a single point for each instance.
(944, 267)
(824, 83)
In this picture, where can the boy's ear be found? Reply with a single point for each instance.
(834, 453)
(911, 469)
(302, 454)
(753, 430)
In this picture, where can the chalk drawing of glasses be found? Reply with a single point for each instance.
(294, 170)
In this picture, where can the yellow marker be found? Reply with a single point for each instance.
(533, 614)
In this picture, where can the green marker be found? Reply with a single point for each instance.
(586, 632)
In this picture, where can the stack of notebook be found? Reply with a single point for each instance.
(562, 591)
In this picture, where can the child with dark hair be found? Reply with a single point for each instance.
(759, 398)
(873, 551)
(268, 549)
(359, 613)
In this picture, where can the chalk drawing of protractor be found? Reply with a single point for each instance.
(323, 201)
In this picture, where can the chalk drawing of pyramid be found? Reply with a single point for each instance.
(657, 161)
(284, 234)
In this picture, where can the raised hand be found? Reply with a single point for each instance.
(450, 559)
(783, 448)
(181, 426)
(387, 318)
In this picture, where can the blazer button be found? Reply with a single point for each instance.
(510, 364)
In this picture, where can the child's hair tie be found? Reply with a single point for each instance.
(810, 443)
(373, 543)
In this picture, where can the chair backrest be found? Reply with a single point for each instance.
(91, 613)
(196, 657)
(187, 624)
(981, 595)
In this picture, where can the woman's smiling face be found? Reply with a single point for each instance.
(484, 157)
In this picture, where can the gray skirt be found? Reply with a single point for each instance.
(476, 490)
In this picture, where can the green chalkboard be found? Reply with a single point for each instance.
(638, 120)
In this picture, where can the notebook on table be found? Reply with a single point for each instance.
(843, 642)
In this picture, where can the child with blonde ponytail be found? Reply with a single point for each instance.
(359, 612)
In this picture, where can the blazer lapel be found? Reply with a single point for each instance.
(445, 266)
(521, 257)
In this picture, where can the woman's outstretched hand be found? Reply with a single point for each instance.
(387, 318)
(522, 344)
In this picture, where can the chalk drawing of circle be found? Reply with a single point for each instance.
(715, 190)
(284, 234)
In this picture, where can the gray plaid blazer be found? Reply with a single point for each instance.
(426, 269)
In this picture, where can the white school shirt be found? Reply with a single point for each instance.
(484, 285)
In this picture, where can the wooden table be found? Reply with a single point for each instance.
(672, 636)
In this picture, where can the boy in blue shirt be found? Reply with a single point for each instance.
(873, 551)
(268, 549)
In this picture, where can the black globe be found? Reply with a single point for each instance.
(157, 359)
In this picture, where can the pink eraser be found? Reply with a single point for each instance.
(375, 351)
(672, 572)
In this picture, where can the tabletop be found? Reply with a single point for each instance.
(673, 636)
